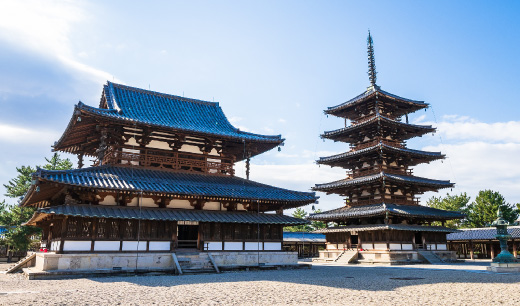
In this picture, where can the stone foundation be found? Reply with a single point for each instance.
(389, 256)
(153, 261)
(504, 267)
(244, 259)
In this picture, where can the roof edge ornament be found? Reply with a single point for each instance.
(372, 73)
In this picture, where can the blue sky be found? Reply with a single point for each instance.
(274, 66)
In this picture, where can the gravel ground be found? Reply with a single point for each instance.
(462, 284)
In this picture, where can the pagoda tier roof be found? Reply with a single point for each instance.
(349, 133)
(408, 105)
(421, 182)
(482, 233)
(130, 106)
(169, 183)
(382, 227)
(380, 147)
(354, 212)
(163, 214)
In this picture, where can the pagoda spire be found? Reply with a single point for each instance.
(371, 60)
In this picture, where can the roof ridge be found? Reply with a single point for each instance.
(161, 94)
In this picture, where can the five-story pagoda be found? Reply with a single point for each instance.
(382, 217)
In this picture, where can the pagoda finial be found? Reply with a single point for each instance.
(371, 60)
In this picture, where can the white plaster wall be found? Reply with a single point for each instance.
(148, 202)
(132, 245)
(331, 247)
(395, 246)
(69, 245)
(214, 246)
(184, 204)
(133, 202)
(240, 206)
(212, 206)
(272, 246)
(55, 245)
(190, 149)
(156, 144)
(379, 246)
(233, 246)
(442, 247)
(108, 200)
(159, 246)
(106, 246)
(253, 246)
(407, 246)
(132, 142)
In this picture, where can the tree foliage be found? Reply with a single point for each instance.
(483, 211)
(299, 213)
(18, 186)
(13, 216)
(451, 203)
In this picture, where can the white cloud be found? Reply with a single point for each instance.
(45, 28)
(463, 128)
(281, 120)
(19, 135)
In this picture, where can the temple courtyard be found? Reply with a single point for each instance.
(325, 284)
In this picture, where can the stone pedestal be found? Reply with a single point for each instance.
(504, 267)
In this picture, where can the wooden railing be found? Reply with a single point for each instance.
(169, 160)
(377, 141)
(373, 170)
(390, 199)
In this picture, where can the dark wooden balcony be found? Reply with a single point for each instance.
(169, 160)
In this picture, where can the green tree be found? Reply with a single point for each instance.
(316, 225)
(18, 186)
(58, 163)
(300, 214)
(483, 210)
(451, 203)
(18, 236)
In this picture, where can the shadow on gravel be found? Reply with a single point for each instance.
(351, 277)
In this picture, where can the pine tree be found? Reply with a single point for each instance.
(483, 211)
(450, 203)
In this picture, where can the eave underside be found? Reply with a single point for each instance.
(377, 181)
(407, 156)
(411, 211)
(382, 227)
(161, 214)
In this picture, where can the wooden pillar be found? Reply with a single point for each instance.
(465, 246)
(63, 233)
(515, 252)
(492, 247)
(93, 235)
(471, 256)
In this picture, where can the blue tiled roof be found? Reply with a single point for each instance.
(416, 180)
(379, 146)
(303, 237)
(370, 93)
(165, 214)
(174, 183)
(378, 119)
(382, 209)
(168, 111)
(482, 233)
(380, 227)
